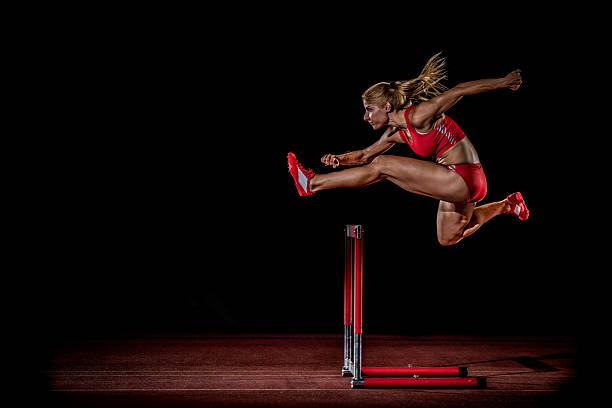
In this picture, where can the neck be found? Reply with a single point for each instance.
(397, 119)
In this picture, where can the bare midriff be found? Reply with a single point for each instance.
(461, 153)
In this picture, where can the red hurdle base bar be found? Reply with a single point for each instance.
(423, 382)
(365, 376)
(390, 371)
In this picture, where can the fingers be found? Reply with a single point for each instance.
(330, 160)
(515, 80)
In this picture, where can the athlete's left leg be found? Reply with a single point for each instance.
(458, 220)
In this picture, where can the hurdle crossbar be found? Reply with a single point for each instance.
(353, 335)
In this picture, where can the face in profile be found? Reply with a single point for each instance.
(376, 116)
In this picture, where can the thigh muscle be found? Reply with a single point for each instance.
(423, 177)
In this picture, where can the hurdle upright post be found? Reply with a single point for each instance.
(347, 369)
(356, 232)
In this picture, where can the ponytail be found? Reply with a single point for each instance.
(427, 84)
(402, 94)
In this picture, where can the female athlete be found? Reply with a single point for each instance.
(414, 113)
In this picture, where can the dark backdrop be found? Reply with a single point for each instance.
(159, 198)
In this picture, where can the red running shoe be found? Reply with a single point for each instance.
(519, 208)
(300, 175)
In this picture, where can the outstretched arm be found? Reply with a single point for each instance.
(426, 113)
(364, 156)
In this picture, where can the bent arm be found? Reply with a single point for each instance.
(426, 113)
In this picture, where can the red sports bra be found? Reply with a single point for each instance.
(438, 140)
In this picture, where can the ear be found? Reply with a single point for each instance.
(388, 107)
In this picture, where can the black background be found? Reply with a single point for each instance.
(158, 198)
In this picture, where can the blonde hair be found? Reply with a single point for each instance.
(402, 94)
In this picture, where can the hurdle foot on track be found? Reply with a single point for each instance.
(357, 383)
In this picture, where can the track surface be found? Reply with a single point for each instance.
(303, 370)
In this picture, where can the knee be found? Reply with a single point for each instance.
(451, 237)
(379, 164)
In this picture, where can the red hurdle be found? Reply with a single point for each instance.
(365, 376)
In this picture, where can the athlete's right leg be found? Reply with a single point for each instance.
(416, 176)
(352, 177)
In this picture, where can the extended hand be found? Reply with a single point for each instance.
(330, 160)
(514, 80)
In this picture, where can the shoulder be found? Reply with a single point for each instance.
(419, 115)
(424, 116)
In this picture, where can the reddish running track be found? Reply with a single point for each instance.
(300, 371)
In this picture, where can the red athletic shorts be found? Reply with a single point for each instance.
(474, 177)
